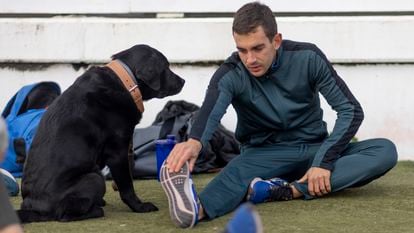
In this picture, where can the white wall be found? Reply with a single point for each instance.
(381, 89)
(185, 6)
(92, 40)
(370, 43)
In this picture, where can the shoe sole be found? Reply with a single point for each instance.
(178, 188)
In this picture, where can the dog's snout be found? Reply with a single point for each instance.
(181, 82)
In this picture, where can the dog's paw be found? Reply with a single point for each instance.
(146, 207)
(101, 203)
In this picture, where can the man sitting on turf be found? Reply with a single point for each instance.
(274, 86)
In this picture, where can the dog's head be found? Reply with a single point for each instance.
(152, 71)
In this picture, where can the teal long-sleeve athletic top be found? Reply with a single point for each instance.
(283, 106)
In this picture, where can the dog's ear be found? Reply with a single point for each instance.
(153, 83)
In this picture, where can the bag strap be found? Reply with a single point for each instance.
(20, 97)
(167, 127)
(176, 125)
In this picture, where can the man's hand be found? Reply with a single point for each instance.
(182, 152)
(319, 183)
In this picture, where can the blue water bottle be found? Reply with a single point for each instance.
(163, 148)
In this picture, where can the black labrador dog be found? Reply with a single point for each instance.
(88, 126)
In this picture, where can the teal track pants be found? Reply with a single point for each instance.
(359, 164)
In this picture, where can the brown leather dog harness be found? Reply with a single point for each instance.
(128, 82)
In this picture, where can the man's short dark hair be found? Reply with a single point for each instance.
(252, 15)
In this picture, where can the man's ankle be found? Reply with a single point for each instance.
(296, 193)
(201, 213)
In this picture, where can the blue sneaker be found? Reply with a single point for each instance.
(182, 198)
(275, 189)
(10, 182)
(245, 220)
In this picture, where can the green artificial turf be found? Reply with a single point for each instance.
(385, 205)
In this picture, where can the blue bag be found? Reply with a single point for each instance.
(22, 126)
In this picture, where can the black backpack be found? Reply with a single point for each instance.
(176, 118)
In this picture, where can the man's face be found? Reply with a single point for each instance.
(256, 51)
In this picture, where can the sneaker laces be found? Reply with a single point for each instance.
(280, 193)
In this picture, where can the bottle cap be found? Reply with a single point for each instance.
(161, 142)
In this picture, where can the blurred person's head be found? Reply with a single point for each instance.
(4, 141)
(3, 137)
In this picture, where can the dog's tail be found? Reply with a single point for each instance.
(27, 216)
